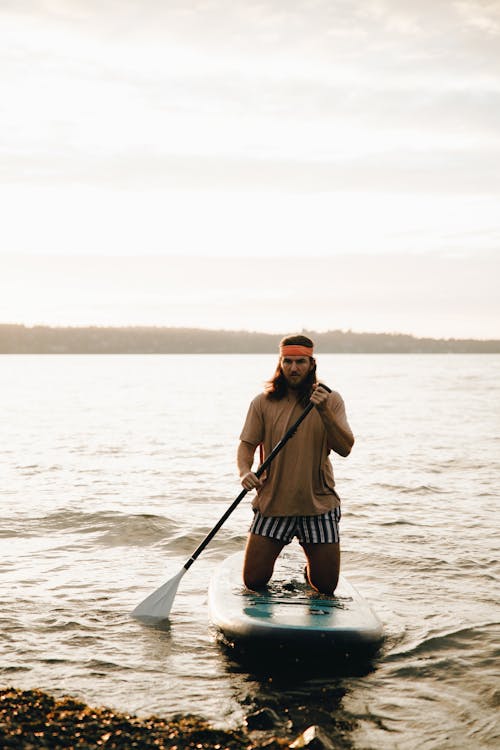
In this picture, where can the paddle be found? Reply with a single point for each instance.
(156, 607)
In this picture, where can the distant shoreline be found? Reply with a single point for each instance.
(20, 339)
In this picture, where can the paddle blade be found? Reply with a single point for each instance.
(156, 607)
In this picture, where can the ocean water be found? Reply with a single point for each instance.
(114, 468)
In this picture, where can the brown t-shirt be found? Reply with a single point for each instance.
(299, 481)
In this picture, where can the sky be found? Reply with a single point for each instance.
(278, 165)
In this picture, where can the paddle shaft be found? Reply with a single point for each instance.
(265, 464)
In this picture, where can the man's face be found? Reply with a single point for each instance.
(296, 370)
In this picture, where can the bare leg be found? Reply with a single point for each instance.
(260, 555)
(323, 566)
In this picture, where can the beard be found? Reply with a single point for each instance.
(295, 382)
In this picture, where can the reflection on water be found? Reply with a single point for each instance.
(297, 693)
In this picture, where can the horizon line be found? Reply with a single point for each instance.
(304, 331)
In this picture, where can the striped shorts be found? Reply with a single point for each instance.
(308, 529)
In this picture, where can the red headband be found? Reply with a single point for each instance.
(294, 350)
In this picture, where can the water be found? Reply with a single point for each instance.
(114, 468)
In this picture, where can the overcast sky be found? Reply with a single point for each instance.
(356, 141)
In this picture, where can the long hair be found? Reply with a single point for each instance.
(276, 388)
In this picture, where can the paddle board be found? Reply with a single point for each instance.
(289, 615)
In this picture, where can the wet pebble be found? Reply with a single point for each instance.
(314, 738)
(34, 720)
(265, 718)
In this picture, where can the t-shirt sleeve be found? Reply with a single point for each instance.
(253, 429)
(337, 405)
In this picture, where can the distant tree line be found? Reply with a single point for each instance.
(20, 339)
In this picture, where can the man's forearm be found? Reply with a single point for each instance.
(340, 439)
(245, 457)
(339, 435)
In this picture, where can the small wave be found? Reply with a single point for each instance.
(103, 666)
(386, 486)
(421, 489)
(54, 660)
(108, 527)
(14, 670)
(449, 640)
(184, 543)
(30, 470)
(66, 625)
(424, 489)
(140, 530)
(111, 450)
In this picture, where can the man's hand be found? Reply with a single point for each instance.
(251, 481)
(319, 397)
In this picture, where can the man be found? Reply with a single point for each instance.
(296, 497)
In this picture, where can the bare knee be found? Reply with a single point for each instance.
(260, 556)
(255, 582)
(324, 584)
(257, 572)
(323, 566)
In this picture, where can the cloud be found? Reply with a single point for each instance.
(427, 171)
(481, 15)
(380, 97)
(227, 223)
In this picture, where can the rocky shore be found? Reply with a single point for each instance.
(34, 720)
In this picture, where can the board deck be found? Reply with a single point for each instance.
(289, 614)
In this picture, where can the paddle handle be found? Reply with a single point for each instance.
(264, 465)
